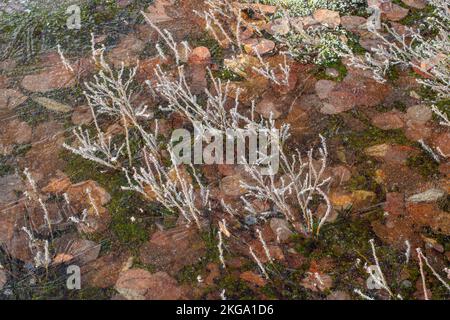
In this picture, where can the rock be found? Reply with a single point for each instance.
(10, 186)
(419, 114)
(340, 174)
(173, 249)
(78, 193)
(103, 272)
(389, 120)
(158, 12)
(431, 195)
(275, 251)
(418, 4)
(269, 106)
(357, 89)
(197, 78)
(10, 99)
(200, 55)
(98, 217)
(396, 231)
(231, 186)
(3, 279)
(84, 251)
(441, 143)
(13, 133)
(82, 115)
(261, 47)
(362, 199)
(395, 203)
(52, 105)
(139, 284)
(338, 295)
(354, 24)
(326, 17)
(54, 78)
(251, 277)
(415, 131)
(324, 87)
(280, 27)
(394, 12)
(298, 116)
(126, 52)
(280, 228)
(258, 7)
(341, 200)
(429, 214)
(394, 154)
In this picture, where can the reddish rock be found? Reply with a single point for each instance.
(419, 114)
(139, 284)
(13, 133)
(261, 47)
(415, 131)
(442, 141)
(10, 99)
(354, 24)
(357, 89)
(200, 55)
(82, 115)
(103, 272)
(253, 278)
(418, 4)
(126, 52)
(395, 231)
(329, 18)
(389, 120)
(394, 12)
(231, 186)
(53, 78)
(324, 87)
(428, 214)
(57, 185)
(173, 249)
(269, 106)
(395, 203)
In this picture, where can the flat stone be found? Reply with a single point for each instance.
(52, 105)
(10, 99)
(431, 195)
(419, 113)
(139, 284)
(389, 120)
(173, 249)
(327, 17)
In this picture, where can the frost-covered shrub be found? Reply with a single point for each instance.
(424, 48)
(307, 7)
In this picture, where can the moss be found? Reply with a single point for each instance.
(416, 16)
(32, 113)
(373, 136)
(338, 65)
(235, 288)
(424, 164)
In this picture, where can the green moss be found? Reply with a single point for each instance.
(424, 164)
(373, 136)
(32, 113)
(338, 65)
(416, 16)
